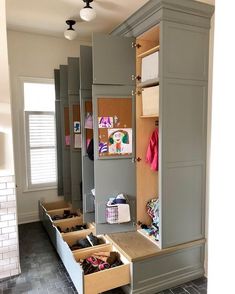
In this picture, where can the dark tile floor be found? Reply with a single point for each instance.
(44, 273)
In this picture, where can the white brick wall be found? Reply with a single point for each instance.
(9, 253)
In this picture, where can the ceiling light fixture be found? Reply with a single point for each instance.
(87, 13)
(70, 33)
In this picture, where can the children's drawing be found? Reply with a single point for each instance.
(105, 122)
(103, 147)
(120, 141)
(76, 127)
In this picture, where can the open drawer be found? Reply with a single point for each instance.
(56, 205)
(103, 280)
(70, 223)
(60, 213)
(72, 238)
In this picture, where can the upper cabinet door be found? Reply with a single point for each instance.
(113, 60)
(86, 67)
(73, 76)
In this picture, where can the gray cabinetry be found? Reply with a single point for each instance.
(183, 69)
(87, 133)
(75, 132)
(65, 131)
(60, 188)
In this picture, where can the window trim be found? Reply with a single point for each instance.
(24, 161)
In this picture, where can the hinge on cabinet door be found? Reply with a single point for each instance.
(133, 77)
(135, 45)
(133, 93)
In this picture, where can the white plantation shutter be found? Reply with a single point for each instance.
(40, 148)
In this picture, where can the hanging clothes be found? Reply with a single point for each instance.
(152, 151)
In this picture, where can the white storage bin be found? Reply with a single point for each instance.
(150, 101)
(149, 68)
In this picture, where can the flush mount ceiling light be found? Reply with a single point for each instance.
(87, 13)
(70, 33)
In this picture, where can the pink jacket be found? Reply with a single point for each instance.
(152, 151)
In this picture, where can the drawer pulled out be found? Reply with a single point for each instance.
(99, 281)
(71, 225)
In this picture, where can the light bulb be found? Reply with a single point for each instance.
(70, 34)
(87, 13)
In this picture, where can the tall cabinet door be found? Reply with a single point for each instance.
(75, 131)
(65, 131)
(60, 188)
(113, 110)
(87, 132)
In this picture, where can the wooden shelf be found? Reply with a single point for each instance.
(148, 83)
(149, 116)
(148, 52)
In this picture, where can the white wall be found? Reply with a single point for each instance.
(6, 152)
(222, 187)
(32, 55)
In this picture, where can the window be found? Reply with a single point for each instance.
(40, 139)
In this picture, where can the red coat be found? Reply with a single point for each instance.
(152, 151)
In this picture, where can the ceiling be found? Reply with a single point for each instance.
(48, 17)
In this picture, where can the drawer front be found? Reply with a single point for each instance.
(107, 279)
(56, 205)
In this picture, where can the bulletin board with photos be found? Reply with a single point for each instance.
(114, 127)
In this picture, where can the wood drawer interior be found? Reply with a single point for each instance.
(72, 238)
(60, 212)
(107, 279)
(56, 205)
(72, 222)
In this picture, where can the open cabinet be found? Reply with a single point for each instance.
(181, 115)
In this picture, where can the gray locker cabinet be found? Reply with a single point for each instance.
(60, 189)
(73, 76)
(87, 164)
(64, 105)
(183, 74)
(112, 60)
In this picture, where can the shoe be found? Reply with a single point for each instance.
(93, 240)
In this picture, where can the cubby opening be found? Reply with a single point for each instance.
(147, 118)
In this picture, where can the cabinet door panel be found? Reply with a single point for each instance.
(75, 153)
(64, 82)
(87, 163)
(182, 161)
(113, 60)
(65, 153)
(113, 175)
(65, 131)
(60, 190)
(73, 76)
(85, 67)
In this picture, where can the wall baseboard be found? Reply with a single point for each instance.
(28, 217)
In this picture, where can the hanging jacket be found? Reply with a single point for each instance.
(152, 151)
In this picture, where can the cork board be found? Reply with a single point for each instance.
(114, 126)
(89, 132)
